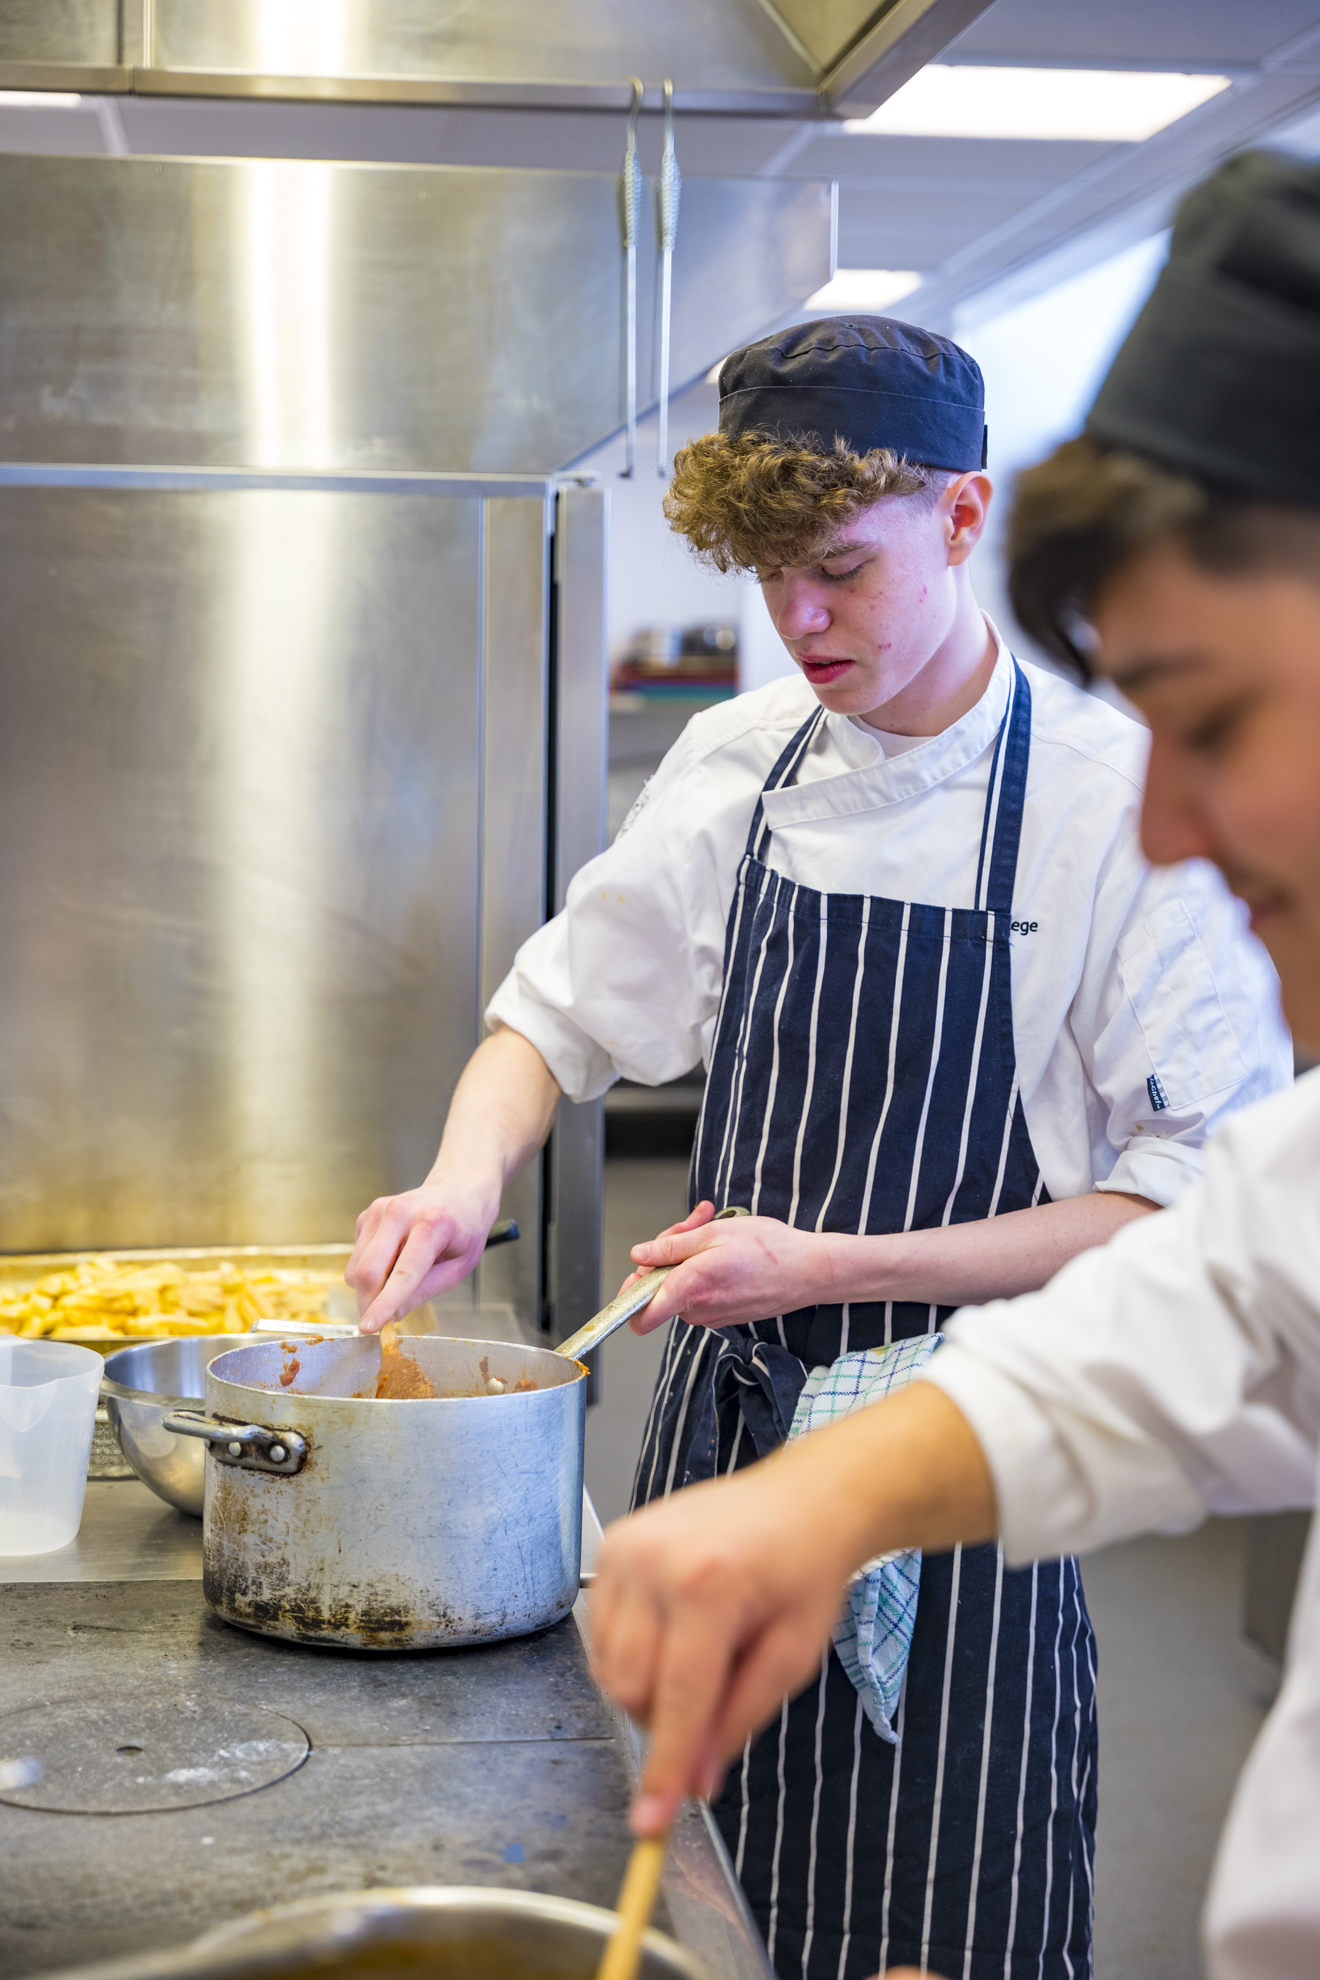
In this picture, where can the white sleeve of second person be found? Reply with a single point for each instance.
(1172, 1373)
(1179, 1010)
(624, 980)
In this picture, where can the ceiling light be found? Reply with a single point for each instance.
(38, 99)
(870, 289)
(1109, 106)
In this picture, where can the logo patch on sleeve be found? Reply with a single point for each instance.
(1159, 1099)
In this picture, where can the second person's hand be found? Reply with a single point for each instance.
(711, 1606)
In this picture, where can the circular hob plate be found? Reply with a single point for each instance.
(122, 1756)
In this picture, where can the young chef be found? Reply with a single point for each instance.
(819, 895)
(1177, 1371)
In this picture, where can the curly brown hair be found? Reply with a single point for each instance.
(752, 502)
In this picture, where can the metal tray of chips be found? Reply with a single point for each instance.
(104, 1299)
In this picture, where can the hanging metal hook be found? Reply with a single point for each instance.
(629, 187)
(668, 188)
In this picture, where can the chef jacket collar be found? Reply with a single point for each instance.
(879, 780)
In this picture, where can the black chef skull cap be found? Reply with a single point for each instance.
(1219, 376)
(870, 381)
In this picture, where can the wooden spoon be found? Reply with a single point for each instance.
(641, 1886)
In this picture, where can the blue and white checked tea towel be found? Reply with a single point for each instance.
(874, 1633)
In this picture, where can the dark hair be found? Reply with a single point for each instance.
(1085, 511)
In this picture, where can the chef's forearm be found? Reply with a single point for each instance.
(967, 1264)
(502, 1110)
(905, 1472)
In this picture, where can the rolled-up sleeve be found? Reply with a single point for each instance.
(1173, 1373)
(1179, 1011)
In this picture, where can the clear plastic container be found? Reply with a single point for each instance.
(48, 1393)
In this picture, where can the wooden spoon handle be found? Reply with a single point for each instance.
(641, 1885)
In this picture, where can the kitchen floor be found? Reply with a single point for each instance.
(1182, 1695)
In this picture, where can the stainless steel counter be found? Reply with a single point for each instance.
(501, 1765)
(127, 1534)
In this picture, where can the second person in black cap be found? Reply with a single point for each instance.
(1175, 547)
(956, 1031)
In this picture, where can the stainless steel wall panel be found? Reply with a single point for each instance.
(239, 826)
(714, 44)
(577, 1146)
(515, 825)
(515, 732)
(81, 31)
(287, 314)
(581, 680)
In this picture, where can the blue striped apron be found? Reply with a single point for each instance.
(863, 1078)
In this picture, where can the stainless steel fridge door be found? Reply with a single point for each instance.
(273, 815)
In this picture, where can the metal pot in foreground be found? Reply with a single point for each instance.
(444, 1933)
(333, 1518)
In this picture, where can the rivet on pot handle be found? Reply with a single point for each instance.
(245, 1446)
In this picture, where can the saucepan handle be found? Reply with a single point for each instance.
(623, 1306)
(248, 1446)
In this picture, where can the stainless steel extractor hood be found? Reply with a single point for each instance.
(281, 314)
(796, 58)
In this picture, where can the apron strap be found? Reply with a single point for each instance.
(1001, 828)
(783, 773)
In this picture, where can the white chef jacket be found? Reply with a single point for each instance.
(1173, 1373)
(1121, 972)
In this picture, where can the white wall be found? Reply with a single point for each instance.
(654, 578)
(1043, 362)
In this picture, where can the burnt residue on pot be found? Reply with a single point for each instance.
(270, 1600)
(302, 1615)
(249, 1579)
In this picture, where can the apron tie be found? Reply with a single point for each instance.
(753, 1388)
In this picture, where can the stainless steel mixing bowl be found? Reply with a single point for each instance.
(144, 1382)
(440, 1932)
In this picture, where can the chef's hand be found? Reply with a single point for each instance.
(412, 1246)
(732, 1270)
(710, 1607)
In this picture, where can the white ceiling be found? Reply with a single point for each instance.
(980, 218)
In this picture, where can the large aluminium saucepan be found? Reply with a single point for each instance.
(333, 1518)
